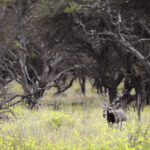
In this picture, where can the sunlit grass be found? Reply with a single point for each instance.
(73, 128)
(47, 129)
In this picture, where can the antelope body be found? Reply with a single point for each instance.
(114, 116)
(112, 112)
(119, 115)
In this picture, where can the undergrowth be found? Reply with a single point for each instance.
(83, 129)
(73, 127)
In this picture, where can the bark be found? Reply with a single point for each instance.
(82, 84)
(112, 93)
(137, 54)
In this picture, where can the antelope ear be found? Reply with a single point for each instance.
(102, 106)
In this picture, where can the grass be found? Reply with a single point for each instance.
(73, 128)
(47, 129)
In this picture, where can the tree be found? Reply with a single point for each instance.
(57, 42)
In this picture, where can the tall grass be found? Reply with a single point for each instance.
(73, 128)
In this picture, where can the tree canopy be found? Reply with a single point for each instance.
(51, 43)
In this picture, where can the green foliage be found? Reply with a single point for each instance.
(73, 7)
(3, 1)
(6, 2)
(135, 69)
(17, 44)
(107, 74)
(66, 130)
(133, 91)
(33, 54)
(120, 87)
(59, 119)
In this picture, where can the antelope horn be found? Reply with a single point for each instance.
(116, 106)
(102, 106)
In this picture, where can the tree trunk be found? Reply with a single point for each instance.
(36, 98)
(112, 93)
(139, 106)
(82, 84)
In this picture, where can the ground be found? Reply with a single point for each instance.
(73, 126)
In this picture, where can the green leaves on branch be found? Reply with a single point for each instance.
(17, 44)
(73, 7)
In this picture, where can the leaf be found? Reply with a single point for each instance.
(17, 44)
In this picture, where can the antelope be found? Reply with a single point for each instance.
(113, 114)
